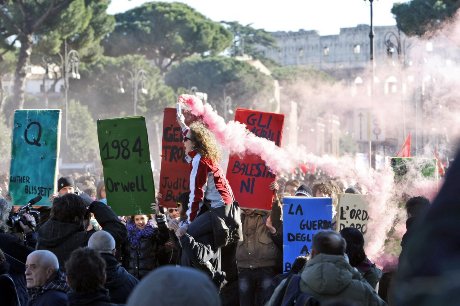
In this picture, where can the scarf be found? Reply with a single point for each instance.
(57, 283)
(135, 235)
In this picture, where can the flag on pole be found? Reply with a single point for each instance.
(405, 150)
(441, 169)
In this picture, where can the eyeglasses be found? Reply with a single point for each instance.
(171, 210)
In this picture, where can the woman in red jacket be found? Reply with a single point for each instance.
(211, 210)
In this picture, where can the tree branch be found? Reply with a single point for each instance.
(52, 9)
(10, 20)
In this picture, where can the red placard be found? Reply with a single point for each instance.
(248, 175)
(175, 171)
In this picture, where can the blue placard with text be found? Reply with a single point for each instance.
(302, 218)
(34, 155)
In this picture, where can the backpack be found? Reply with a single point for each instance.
(293, 296)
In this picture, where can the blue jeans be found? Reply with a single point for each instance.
(254, 285)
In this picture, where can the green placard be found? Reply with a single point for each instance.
(34, 153)
(125, 155)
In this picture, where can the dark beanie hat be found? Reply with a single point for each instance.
(65, 181)
(303, 190)
(352, 236)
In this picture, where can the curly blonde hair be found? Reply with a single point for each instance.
(205, 142)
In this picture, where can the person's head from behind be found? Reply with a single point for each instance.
(290, 187)
(201, 139)
(328, 242)
(352, 190)
(85, 270)
(41, 266)
(298, 264)
(102, 242)
(140, 220)
(194, 287)
(355, 245)
(416, 206)
(65, 185)
(70, 208)
(182, 203)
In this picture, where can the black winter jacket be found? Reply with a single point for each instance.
(143, 258)
(94, 298)
(62, 238)
(119, 282)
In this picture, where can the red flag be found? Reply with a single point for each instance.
(441, 169)
(405, 150)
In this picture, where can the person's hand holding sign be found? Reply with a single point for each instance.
(180, 117)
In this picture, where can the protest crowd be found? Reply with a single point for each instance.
(210, 248)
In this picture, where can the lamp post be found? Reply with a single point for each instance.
(394, 43)
(371, 32)
(137, 78)
(69, 63)
(371, 59)
(47, 63)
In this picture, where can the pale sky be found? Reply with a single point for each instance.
(325, 16)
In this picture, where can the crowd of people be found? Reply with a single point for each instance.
(205, 251)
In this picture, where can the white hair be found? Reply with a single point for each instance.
(102, 242)
(46, 258)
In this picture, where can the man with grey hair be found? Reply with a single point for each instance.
(339, 280)
(119, 282)
(46, 284)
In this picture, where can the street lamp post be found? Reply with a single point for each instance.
(138, 78)
(46, 63)
(394, 43)
(371, 59)
(69, 63)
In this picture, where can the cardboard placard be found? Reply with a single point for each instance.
(125, 156)
(353, 212)
(34, 155)
(175, 171)
(302, 218)
(248, 175)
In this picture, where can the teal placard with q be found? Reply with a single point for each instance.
(34, 155)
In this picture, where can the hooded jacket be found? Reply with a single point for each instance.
(62, 238)
(332, 277)
(119, 282)
(99, 297)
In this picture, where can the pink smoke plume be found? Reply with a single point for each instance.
(237, 139)
(380, 185)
